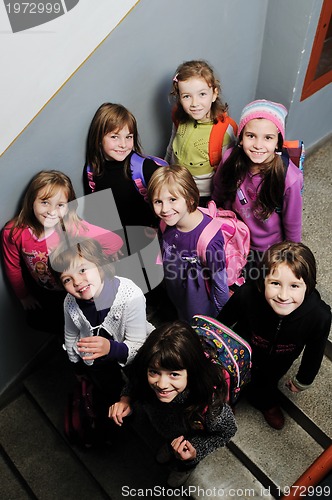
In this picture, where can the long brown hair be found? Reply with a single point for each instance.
(108, 118)
(197, 69)
(47, 182)
(175, 346)
(271, 192)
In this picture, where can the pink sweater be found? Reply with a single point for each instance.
(278, 227)
(34, 252)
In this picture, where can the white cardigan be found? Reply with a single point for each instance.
(125, 322)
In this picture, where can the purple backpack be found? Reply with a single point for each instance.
(136, 167)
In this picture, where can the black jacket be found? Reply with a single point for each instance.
(132, 208)
(276, 342)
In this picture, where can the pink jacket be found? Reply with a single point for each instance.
(34, 252)
(278, 227)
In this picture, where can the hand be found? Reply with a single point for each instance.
(93, 347)
(119, 410)
(183, 449)
(116, 256)
(291, 386)
(29, 302)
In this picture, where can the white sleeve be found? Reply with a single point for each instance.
(136, 327)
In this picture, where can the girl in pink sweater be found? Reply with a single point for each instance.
(254, 181)
(48, 215)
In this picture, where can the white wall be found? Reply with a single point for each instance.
(35, 63)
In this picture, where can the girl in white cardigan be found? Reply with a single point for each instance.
(105, 317)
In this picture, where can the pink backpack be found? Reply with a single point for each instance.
(236, 240)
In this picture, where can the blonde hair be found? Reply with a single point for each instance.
(69, 251)
(179, 181)
(47, 182)
(197, 69)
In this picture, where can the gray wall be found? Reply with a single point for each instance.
(284, 61)
(256, 49)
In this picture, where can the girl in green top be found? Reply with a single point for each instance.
(202, 130)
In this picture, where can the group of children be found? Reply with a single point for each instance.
(48, 250)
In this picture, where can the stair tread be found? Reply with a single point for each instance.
(131, 464)
(282, 455)
(225, 475)
(11, 488)
(315, 402)
(40, 456)
(268, 452)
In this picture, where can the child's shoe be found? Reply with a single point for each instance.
(274, 417)
(164, 455)
(178, 478)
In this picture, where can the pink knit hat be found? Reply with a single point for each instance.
(272, 111)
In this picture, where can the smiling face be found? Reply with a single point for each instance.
(171, 208)
(284, 292)
(82, 280)
(196, 98)
(260, 140)
(117, 145)
(167, 384)
(49, 210)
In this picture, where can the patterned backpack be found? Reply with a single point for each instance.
(232, 352)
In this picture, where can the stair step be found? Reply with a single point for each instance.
(222, 475)
(315, 402)
(220, 471)
(281, 455)
(276, 458)
(130, 465)
(11, 487)
(40, 457)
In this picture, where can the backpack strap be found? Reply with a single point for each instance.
(296, 152)
(162, 226)
(285, 159)
(217, 138)
(206, 235)
(136, 168)
(174, 120)
(213, 227)
(91, 182)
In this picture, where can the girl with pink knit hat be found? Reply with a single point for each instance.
(253, 181)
